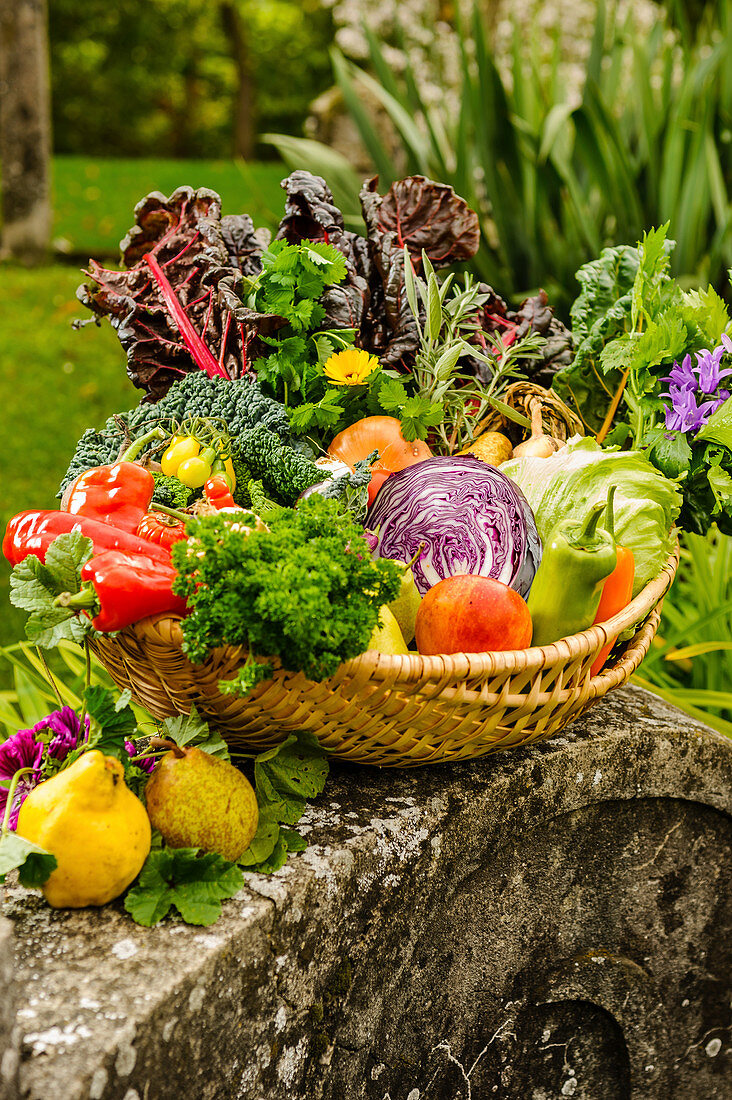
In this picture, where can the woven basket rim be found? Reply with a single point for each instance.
(452, 667)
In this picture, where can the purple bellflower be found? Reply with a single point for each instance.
(687, 383)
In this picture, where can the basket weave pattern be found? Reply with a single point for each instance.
(392, 711)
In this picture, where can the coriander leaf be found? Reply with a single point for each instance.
(192, 730)
(325, 413)
(418, 415)
(180, 878)
(392, 394)
(34, 864)
(324, 347)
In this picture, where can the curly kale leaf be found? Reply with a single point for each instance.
(240, 404)
(284, 472)
(306, 591)
(171, 492)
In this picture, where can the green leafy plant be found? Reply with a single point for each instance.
(554, 181)
(690, 663)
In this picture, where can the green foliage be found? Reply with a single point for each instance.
(161, 79)
(640, 326)
(555, 182)
(182, 878)
(32, 696)
(690, 663)
(34, 586)
(34, 864)
(285, 777)
(189, 730)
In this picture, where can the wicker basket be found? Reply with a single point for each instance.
(392, 711)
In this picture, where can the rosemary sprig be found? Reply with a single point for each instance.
(451, 313)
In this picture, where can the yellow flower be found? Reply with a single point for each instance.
(351, 367)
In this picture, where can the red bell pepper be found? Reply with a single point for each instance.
(120, 589)
(120, 493)
(33, 532)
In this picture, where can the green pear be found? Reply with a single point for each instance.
(387, 638)
(405, 607)
(197, 801)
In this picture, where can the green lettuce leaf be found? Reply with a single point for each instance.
(561, 489)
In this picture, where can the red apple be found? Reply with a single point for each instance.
(464, 614)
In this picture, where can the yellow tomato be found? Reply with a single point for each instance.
(181, 448)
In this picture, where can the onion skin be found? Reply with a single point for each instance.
(470, 517)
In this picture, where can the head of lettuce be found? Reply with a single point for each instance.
(561, 490)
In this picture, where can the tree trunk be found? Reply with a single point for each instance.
(25, 130)
(244, 133)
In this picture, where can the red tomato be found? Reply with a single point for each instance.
(162, 529)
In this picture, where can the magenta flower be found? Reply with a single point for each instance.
(66, 728)
(21, 750)
(144, 765)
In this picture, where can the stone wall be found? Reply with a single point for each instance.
(8, 1034)
(546, 923)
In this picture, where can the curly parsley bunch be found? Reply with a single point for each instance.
(306, 591)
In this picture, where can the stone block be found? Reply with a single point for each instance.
(8, 1034)
(546, 923)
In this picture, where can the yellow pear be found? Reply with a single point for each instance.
(94, 825)
(387, 638)
(197, 801)
(405, 607)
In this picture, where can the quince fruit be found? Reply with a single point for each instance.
(94, 825)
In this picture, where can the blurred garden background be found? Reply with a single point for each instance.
(568, 125)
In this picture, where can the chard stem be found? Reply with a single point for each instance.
(200, 353)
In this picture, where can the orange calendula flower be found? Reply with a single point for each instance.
(350, 367)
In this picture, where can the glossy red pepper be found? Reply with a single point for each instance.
(120, 589)
(160, 528)
(218, 493)
(119, 493)
(33, 532)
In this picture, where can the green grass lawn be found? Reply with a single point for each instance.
(94, 199)
(54, 383)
